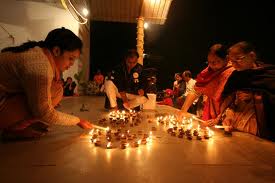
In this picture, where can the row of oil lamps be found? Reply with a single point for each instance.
(124, 138)
(185, 127)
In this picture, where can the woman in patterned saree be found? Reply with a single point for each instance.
(30, 85)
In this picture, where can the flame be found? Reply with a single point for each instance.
(109, 144)
(108, 128)
(210, 133)
(126, 145)
(91, 132)
(94, 141)
(190, 126)
(139, 142)
(150, 133)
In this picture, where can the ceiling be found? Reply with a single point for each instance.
(154, 11)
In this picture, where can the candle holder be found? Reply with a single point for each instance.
(188, 131)
(116, 133)
(228, 133)
(195, 133)
(173, 133)
(199, 137)
(94, 136)
(97, 142)
(99, 133)
(180, 135)
(170, 130)
(145, 135)
(109, 138)
(181, 130)
(109, 145)
(206, 136)
(189, 137)
(123, 137)
(143, 141)
(124, 145)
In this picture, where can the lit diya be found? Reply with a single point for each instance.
(109, 145)
(136, 143)
(124, 145)
(97, 142)
(199, 137)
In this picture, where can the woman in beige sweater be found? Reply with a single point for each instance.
(30, 84)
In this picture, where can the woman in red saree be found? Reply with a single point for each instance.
(210, 82)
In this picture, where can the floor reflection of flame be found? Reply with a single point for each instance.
(108, 156)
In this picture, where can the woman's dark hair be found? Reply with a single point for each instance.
(63, 38)
(187, 74)
(178, 74)
(244, 47)
(219, 50)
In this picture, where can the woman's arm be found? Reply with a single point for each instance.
(37, 80)
(190, 98)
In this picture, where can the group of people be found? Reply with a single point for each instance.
(239, 90)
(69, 87)
(182, 86)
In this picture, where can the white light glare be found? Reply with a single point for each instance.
(146, 25)
(85, 12)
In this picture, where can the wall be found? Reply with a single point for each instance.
(27, 20)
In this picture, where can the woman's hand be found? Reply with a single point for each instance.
(126, 105)
(211, 122)
(244, 96)
(85, 124)
(182, 114)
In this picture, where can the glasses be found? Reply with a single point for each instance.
(237, 59)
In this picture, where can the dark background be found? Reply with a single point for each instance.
(183, 42)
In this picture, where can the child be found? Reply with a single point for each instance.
(167, 98)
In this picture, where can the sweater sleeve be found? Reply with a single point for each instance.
(36, 79)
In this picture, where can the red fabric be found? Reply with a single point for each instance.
(166, 101)
(169, 92)
(99, 78)
(211, 83)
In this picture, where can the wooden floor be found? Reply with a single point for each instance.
(66, 155)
